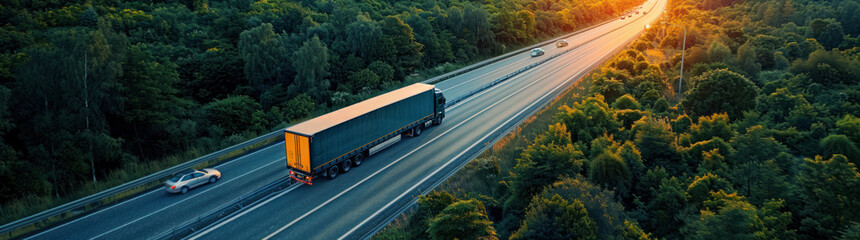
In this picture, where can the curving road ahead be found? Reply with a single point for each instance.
(353, 204)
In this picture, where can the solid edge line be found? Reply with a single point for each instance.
(590, 67)
(183, 200)
(135, 198)
(396, 161)
(228, 220)
(473, 145)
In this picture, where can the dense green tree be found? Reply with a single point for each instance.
(826, 199)
(312, 65)
(556, 218)
(729, 215)
(633, 159)
(235, 114)
(551, 156)
(713, 162)
(626, 102)
(383, 70)
(601, 205)
(828, 67)
(753, 173)
(429, 206)
(669, 200)
(656, 141)
(779, 104)
(592, 116)
(832, 35)
(364, 80)
(465, 219)
(211, 75)
(149, 98)
(850, 126)
(631, 231)
(702, 186)
(406, 53)
(708, 127)
(363, 36)
(747, 60)
(610, 171)
(840, 144)
(721, 91)
(89, 18)
(611, 88)
(264, 55)
(764, 47)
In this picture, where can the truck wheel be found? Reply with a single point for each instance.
(332, 172)
(357, 160)
(417, 130)
(345, 166)
(438, 119)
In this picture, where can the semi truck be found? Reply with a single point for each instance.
(334, 143)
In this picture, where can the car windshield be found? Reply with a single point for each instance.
(203, 170)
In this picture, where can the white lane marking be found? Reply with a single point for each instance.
(183, 200)
(403, 157)
(200, 234)
(387, 166)
(142, 195)
(485, 74)
(571, 38)
(584, 47)
(476, 143)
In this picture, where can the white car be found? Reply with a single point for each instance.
(187, 179)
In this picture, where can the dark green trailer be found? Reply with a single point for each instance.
(337, 141)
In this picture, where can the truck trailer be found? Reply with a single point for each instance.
(335, 142)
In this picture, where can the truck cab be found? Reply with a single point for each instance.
(440, 106)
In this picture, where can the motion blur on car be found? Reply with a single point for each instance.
(187, 179)
(561, 43)
(536, 52)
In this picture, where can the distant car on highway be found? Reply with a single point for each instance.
(561, 43)
(536, 52)
(622, 17)
(187, 179)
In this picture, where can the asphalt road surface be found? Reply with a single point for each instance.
(354, 203)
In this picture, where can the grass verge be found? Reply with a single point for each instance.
(506, 150)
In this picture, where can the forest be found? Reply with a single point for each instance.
(760, 143)
(94, 93)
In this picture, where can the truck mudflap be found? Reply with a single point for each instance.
(301, 177)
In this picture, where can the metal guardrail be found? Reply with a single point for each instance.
(83, 202)
(533, 65)
(212, 217)
(412, 202)
(506, 55)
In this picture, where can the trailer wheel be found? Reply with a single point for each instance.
(358, 160)
(417, 130)
(345, 166)
(438, 119)
(332, 172)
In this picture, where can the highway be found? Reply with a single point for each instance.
(356, 202)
